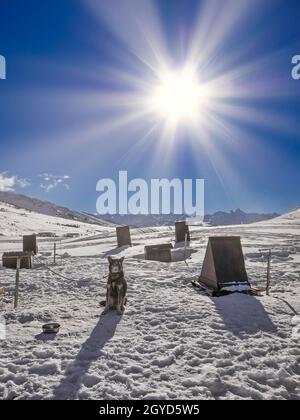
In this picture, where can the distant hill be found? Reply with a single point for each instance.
(143, 220)
(47, 208)
(220, 218)
(292, 217)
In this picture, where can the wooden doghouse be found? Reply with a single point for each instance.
(182, 231)
(9, 259)
(123, 236)
(160, 253)
(224, 265)
(30, 244)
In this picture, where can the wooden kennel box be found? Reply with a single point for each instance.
(30, 244)
(10, 259)
(123, 236)
(160, 253)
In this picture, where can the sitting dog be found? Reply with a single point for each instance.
(116, 287)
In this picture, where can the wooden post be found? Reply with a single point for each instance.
(269, 273)
(185, 245)
(17, 283)
(2, 294)
(268, 269)
(54, 254)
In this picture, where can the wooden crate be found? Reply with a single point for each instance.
(9, 260)
(160, 253)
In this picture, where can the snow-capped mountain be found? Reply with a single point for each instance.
(220, 218)
(144, 220)
(237, 217)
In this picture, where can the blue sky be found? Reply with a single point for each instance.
(71, 109)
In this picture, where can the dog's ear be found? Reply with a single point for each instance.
(110, 260)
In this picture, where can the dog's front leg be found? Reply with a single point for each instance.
(119, 310)
(123, 304)
(122, 301)
(107, 307)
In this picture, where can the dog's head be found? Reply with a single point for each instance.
(115, 265)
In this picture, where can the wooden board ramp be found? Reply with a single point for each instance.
(182, 232)
(10, 260)
(161, 253)
(224, 266)
(123, 236)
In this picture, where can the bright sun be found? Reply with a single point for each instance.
(178, 96)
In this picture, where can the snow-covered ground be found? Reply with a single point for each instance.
(172, 342)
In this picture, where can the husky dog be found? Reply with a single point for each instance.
(116, 286)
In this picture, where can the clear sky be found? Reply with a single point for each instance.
(75, 105)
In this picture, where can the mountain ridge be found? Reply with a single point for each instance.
(220, 218)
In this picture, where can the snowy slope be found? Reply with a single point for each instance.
(172, 342)
(15, 221)
(47, 208)
(293, 216)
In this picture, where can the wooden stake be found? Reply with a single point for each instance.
(185, 245)
(268, 269)
(269, 273)
(54, 254)
(17, 283)
(2, 294)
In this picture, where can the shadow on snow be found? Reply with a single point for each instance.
(243, 314)
(90, 352)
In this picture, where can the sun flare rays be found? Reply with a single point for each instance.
(150, 94)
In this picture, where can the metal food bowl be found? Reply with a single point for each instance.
(51, 328)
